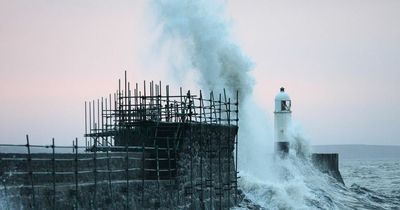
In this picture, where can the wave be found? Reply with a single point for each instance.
(297, 184)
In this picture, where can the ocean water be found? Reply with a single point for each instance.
(296, 184)
(377, 178)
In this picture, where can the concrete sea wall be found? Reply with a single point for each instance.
(198, 172)
(328, 163)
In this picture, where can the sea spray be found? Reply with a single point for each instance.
(299, 142)
(200, 34)
(196, 37)
(206, 45)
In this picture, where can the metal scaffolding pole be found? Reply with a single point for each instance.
(53, 172)
(76, 173)
(30, 172)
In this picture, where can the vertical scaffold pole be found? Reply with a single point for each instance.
(90, 123)
(143, 164)
(236, 146)
(30, 172)
(130, 117)
(125, 101)
(98, 119)
(160, 101)
(158, 171)
(119, 103)
(136, 101)
(109, 178)
(128, 94)
(127, 174)
(105, 124)
(190, 149)
(103, 142)
(53, 173)
(167, 105)
(176, 166)
(211, 151)
(86, 125)
(94, 123)
(116, 114)
(228, 151)
(151, 89)
(201, 155)
(181, 112)
(95, 175)
(144, 100)
(169, 161)
(169, 171)
(110, 118)
(76, 173)
(219, 152)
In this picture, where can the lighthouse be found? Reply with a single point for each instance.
(282, 115)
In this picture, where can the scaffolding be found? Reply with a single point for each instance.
(106, 118)
(136, 140)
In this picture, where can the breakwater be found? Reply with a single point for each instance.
(196, 170)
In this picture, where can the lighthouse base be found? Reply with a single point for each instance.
(282, 148)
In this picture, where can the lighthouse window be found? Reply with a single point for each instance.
(285, 105)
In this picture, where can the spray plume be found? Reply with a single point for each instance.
(198, 40)
(205, 43)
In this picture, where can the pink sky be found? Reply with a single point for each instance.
(339, 61)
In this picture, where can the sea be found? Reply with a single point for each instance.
(376, 179)
(371, 181)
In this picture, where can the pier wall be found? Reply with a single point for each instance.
(198, 171)
(328, 163)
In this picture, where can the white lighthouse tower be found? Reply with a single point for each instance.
(283, 117)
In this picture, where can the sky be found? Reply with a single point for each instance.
(338, 60)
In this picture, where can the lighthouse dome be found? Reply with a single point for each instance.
(282, 95)
(282, 101)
